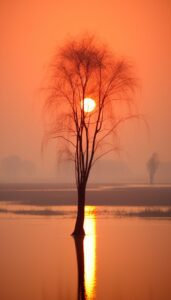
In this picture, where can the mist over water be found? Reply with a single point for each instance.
(15, 169)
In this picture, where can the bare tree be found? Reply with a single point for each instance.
(84, 68)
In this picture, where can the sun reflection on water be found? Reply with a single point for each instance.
(90, 252)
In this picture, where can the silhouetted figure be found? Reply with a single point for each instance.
(79, 247)
(152, 166)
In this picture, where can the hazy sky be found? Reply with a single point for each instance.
(30, 32)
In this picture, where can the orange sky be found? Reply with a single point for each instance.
(30, 32)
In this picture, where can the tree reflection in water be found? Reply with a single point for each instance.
(86, 257)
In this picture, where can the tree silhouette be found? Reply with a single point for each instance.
(84, 68)
(152, 166)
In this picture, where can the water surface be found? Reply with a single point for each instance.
(120, 258)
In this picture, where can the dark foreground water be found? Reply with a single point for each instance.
(123, 256)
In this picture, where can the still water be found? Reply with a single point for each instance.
(119, 258)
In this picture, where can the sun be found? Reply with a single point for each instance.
(89, 104)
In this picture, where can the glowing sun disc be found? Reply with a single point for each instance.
(89, 104)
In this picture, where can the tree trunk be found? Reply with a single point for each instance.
(79, 225)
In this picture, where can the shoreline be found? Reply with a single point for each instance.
(98, 195)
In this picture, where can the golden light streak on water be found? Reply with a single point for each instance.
(90, 252)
